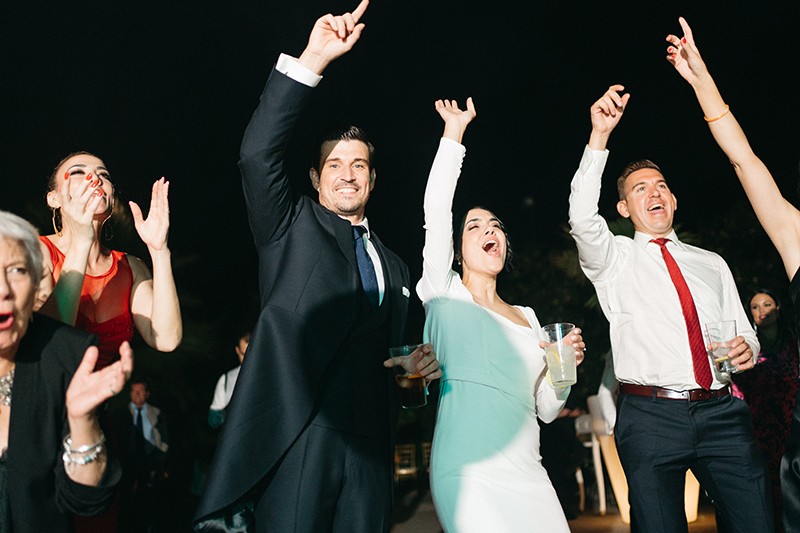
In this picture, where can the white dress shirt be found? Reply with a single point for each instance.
(224, 389)
(648, 331)
(147, 425)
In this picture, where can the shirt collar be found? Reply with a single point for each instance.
(365, 223)
(642, 239)
(134, 408)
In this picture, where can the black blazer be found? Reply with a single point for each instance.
(310, 301)
(40, 491)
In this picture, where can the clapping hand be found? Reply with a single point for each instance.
(88, 389)
(153, 230)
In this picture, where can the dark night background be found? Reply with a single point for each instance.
(167, 89)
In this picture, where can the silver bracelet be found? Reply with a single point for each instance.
(82, 455)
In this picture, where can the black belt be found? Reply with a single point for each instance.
(692, 395)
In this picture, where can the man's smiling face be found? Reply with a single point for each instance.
(648, 202)
(345, 181)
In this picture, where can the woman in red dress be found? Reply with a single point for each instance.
(104, 291)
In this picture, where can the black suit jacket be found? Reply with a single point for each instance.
(310, 302)
(40, 492)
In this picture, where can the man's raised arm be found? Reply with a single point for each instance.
(590, 231)
(261, 158)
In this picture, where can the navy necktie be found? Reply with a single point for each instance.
(369, 281)
(139, 434)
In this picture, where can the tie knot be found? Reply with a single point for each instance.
(661, 241)
(358, 232)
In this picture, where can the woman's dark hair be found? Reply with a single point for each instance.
(785, 330)
(457, 241)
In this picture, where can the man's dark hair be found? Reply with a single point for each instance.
(629, 169)
(140, 379)
(350, 133)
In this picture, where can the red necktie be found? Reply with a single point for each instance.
(702, 370)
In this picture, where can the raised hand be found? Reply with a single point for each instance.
(684, 55)
(455, 120)
(88, 389)
(332, 37)
(154, 229)
(606, 114)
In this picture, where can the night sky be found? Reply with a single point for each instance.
(167, 89)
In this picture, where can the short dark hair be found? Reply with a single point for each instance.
(139, 379)
(629, 169)
(457, 239)
(349, 133)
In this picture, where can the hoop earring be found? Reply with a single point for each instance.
(57, 224)
(107, 231)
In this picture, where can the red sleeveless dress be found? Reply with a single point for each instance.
(105, 305)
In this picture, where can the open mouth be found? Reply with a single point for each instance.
(490, 247)
(6, 320)
(657, 207)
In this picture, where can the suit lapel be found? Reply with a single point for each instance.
(393, 285)
(341, 229)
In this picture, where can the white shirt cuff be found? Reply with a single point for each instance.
(592, 159)
(291, 67)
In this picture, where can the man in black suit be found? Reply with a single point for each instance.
(142, 432)
(307, 444)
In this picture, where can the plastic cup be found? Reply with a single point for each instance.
(719, 336)
(560, 358)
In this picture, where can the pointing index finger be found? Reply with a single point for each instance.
(358, 11)
(687, 31)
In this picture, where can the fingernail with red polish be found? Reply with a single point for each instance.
(89, 176)
(684, 39)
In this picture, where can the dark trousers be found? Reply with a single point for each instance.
(790, 475)
(659, 439)
(329, 481)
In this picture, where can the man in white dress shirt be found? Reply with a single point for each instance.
(674, 411)
(225, 385)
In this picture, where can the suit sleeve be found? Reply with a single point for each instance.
(269, 198)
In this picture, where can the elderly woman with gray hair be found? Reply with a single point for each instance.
(53, 459)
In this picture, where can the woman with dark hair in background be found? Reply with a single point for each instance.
(105, 291)
(771, 387)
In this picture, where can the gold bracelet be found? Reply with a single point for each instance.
(710, 120)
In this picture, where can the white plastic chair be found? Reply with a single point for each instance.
(584, 431)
